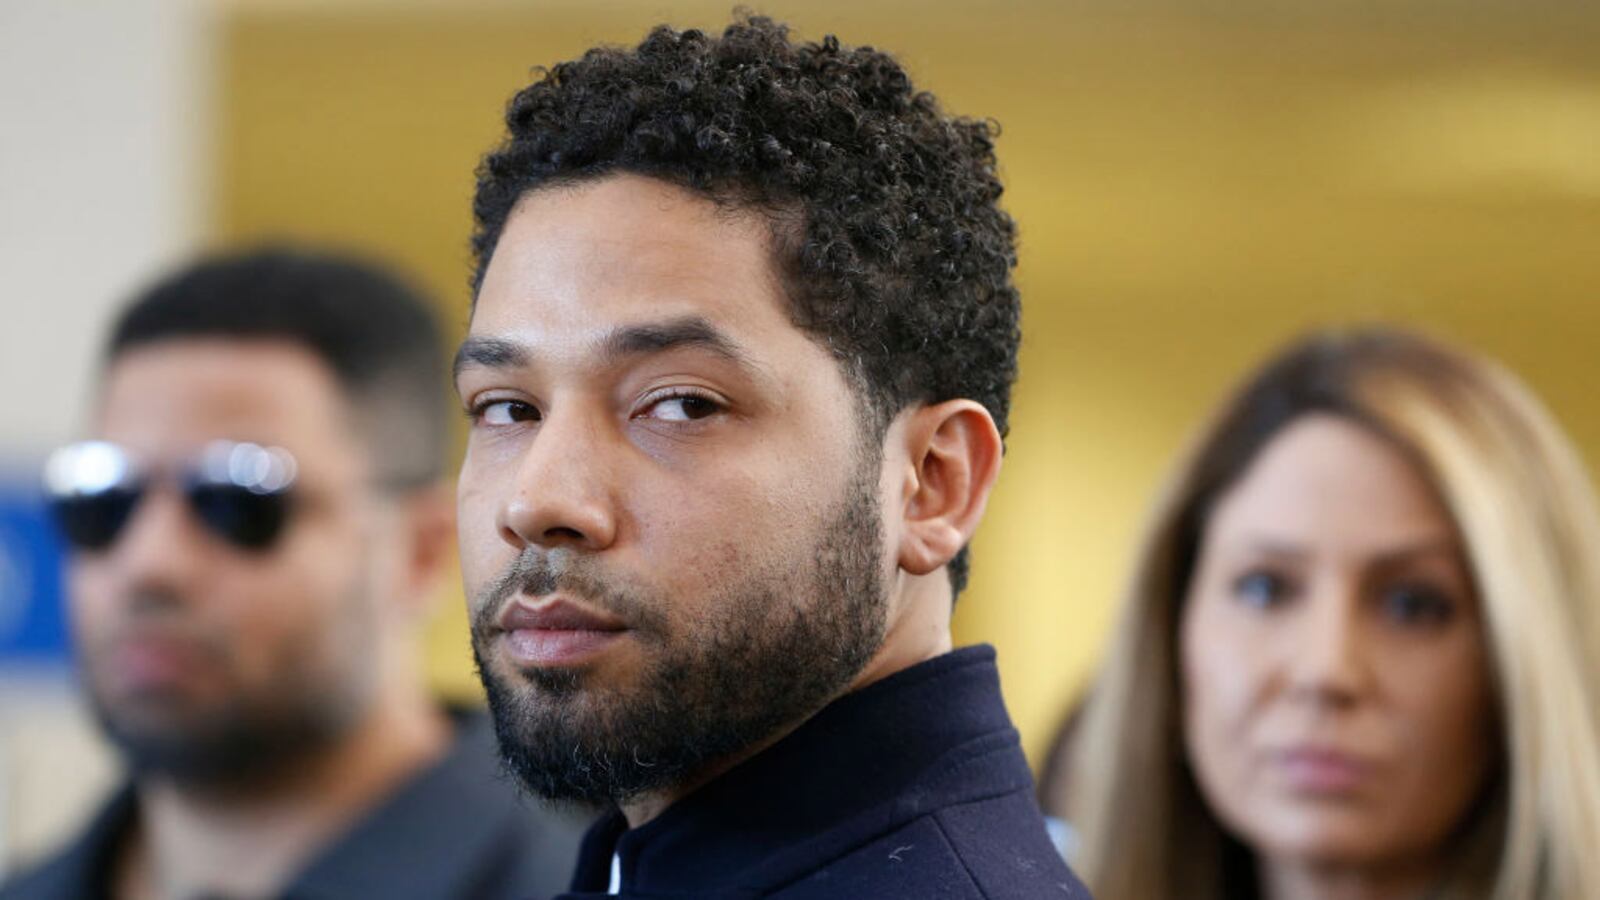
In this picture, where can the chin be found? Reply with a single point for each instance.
(1335, 836)
(160, 713)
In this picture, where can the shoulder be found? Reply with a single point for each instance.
(1004, 847)
(484, 839)
(994, 849)
(61, 876)
(77, 869)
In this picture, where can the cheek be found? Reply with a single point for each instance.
(1219, 682)
(290, 603)
(102, 601)
(1444, 721)
(482, 552)
(688, 543)
(96, 614)
(1442, 696)
(265, 609)
(744, 507)
(1215, 670)
(708, 543)
(89, 605)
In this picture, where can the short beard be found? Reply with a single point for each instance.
(233, 748)
(255, 735)
(769, 664)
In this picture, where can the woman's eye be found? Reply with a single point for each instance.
(1261, 590)
(682, 408)
(1417, 605)
(504, 412)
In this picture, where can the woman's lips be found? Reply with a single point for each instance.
(557, 633)
(1322, 771)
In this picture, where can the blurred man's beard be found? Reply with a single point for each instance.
(232, 746)
(253, 735)
(767, 663)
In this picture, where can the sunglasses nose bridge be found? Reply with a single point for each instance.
(162, 534)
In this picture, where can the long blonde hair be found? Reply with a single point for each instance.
(1523, 503)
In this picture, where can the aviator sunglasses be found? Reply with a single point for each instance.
(240, 492)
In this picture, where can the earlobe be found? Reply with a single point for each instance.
(954, 451)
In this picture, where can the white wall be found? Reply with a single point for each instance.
(103, 109)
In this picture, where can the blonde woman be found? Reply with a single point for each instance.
(1359, 652)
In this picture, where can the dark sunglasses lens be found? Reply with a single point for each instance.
(249, 519)
(92, 521)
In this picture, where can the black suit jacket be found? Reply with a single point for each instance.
(456, 831)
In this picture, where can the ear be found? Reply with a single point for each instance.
(953, 450)
(430, 522)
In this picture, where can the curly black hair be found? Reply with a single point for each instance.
(896, 255)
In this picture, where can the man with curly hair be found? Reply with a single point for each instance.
(742, 343)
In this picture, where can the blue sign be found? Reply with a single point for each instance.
(33, 624)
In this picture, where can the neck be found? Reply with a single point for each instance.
(1299, 880)
(919, 630)
(251, 839)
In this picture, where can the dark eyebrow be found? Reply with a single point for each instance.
(624, 341)
(657, 337)
(487, 352)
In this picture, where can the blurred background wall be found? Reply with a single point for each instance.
(1194, 183)
(105, 137)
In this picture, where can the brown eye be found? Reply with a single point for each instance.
(505, 412)
(683, 408)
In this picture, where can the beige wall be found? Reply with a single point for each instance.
(102, 149)
(1191, 190)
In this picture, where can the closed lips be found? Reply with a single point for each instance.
(556, 615)
(557, 634)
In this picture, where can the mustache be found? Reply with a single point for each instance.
(536, 572)
(149, 611)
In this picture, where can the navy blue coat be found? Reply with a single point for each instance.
(913, 787)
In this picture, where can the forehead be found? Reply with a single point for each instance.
(575, 261)
(168, 397)
(1326, 479)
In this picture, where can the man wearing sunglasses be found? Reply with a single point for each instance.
(260, 526)
(737, 372)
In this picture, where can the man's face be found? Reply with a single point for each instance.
(669, 515)
(203, 659)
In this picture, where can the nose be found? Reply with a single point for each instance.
(1327, 655)
(562, 493)
(161, 548)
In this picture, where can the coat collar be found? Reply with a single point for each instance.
(930, 736)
